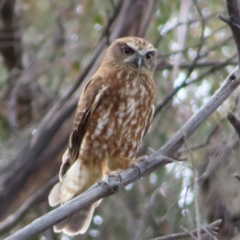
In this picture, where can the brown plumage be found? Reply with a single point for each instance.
(113, 114)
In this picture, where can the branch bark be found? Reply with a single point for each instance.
(155, 160)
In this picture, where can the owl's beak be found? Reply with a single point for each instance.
(138, 61)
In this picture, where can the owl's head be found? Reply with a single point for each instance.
(135, 53)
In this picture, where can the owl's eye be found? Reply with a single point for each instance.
(149, 55)
(128, 51)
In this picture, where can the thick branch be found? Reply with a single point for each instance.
(156, 160)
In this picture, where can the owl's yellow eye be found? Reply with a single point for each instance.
(149, 55)
(128, 51)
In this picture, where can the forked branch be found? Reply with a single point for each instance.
(211, 229)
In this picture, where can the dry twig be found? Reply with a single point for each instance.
(212, 228)
(234, 122)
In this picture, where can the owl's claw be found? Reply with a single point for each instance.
(105, 180)
(143, 158)
(135, 164)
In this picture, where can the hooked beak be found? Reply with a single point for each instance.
(138, 61)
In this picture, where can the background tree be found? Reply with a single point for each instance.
(50, 48)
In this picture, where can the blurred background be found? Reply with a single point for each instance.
(48, 51)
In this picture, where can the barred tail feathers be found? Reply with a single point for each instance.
(78, 222)
(74, 182)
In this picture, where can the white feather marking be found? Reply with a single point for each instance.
(104, 146)
(134, 121)
(134, 143)
(131, 106)
(138, 129)
(105, 119)
(119, 75)
(121, 114)
(109, 132)
(95, 144)
(75, 179)
(84, 144)
(130, 154)
(120, 121)
(97, 132)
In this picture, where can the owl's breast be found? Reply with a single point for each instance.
(118, 124)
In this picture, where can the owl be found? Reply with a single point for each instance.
(113, 114)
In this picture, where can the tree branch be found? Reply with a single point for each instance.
(212, 228)
(162, 65)
(233, 20)
(234, 122)
(155, 160)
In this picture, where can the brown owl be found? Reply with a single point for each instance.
(113, 114)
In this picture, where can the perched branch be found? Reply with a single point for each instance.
(212, 228)
(155, 160)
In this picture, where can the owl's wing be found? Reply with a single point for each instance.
(149, 120)
(88, 102)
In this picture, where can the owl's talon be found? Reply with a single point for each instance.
(105, 181)
(135, 163)
(136, 166)
(143, 158)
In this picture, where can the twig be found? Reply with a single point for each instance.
(189, 22)
(233, 20)
(237, 176)
(97, 192)
(234, 122)
(213, 228)
(196, 205)
(200, 64)
(211, 70)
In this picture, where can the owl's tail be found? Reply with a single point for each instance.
(74, 183)
(78, 222)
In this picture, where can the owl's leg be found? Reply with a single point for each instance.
(106, 174)
(142, 158)
(122, 163)
(135, 163)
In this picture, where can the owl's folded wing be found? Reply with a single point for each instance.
(89, 100)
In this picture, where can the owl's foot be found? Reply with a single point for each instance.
(113, 185)
(135, 163)
(143, 158)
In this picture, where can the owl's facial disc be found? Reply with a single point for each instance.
(138, 59)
